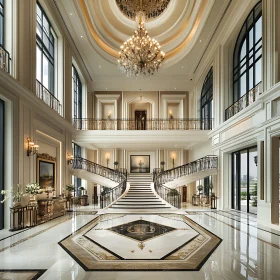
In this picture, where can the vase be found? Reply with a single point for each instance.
(32, 200)
(16, 204)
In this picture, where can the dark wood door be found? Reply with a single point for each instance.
(95, 197)
(184, 194)
(140, 120)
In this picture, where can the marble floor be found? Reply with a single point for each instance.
(247, 250)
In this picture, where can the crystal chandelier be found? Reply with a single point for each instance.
(140, 55)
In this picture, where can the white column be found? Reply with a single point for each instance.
(269, 62)
(26, 65)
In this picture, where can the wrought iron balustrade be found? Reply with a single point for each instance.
(45, 95)
(243, 102)
(148, 124)
(172, 196)
(120, 176)
(4, 59)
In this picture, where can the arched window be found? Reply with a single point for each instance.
(207, 100)
(247, 59)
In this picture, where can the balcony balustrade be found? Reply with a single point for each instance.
(4, 60)
(48, 98)
(148, 124)
(243, 102)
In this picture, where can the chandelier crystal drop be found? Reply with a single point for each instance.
(140, 55)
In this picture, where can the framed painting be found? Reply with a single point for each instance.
(46, 171)
(139, 164)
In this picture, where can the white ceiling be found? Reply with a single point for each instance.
(185, 28)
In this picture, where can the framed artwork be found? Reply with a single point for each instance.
(139, 164)
(46, 171)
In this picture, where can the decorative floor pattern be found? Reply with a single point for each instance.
(141, 242)
(21, 274)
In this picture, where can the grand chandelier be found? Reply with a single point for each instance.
(140, 55)
(151, 8)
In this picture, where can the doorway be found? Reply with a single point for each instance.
(184, 197)
(140, 120)
(245, 180)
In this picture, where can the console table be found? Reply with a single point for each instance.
(49, 209)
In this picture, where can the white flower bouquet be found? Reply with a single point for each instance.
(32, 188)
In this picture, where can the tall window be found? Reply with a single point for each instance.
(1, 161)
(247, 60)
(45, 42)
(77, 94)
(207, 100)
(2, 22)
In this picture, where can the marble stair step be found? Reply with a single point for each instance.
(137, 203)
(139, 197)
(139, 207)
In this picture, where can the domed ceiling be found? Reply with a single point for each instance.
(175, 24)
(183, 28)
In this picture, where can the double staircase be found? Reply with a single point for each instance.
(140, 195)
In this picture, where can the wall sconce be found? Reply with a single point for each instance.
(173, 159)
(107, 161)
(109, 115)
(70, 158)
(32, 149)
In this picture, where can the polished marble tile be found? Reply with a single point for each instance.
(245, 253)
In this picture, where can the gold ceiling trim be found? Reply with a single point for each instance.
(168, 55)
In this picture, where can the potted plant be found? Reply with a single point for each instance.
(116, 164)
(32, 189)
(70, 189)
(200, 188)
(82, 190)
(16, 195)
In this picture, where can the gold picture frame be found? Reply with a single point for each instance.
(46, 171)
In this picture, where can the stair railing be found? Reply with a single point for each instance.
(109, 195)
(172, 196)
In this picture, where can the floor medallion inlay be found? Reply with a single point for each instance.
(141, 242)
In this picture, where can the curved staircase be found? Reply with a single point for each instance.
(140, 195)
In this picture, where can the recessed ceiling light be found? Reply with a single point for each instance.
(99, 66)
(182, 66)
(175, 88)
(106, 88)
(81, 36)
(200, 41)
(71, 14)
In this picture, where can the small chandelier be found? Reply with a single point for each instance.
(140, 55)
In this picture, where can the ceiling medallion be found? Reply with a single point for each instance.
(140, 55)
(151, 8)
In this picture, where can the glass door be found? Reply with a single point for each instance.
(244, 180)
(1, 162)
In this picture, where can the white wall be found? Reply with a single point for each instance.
(200, 150)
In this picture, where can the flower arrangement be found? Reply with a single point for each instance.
(81, 188)
(33, 188)
(70, 188)
(15, 192)
(162, 163)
